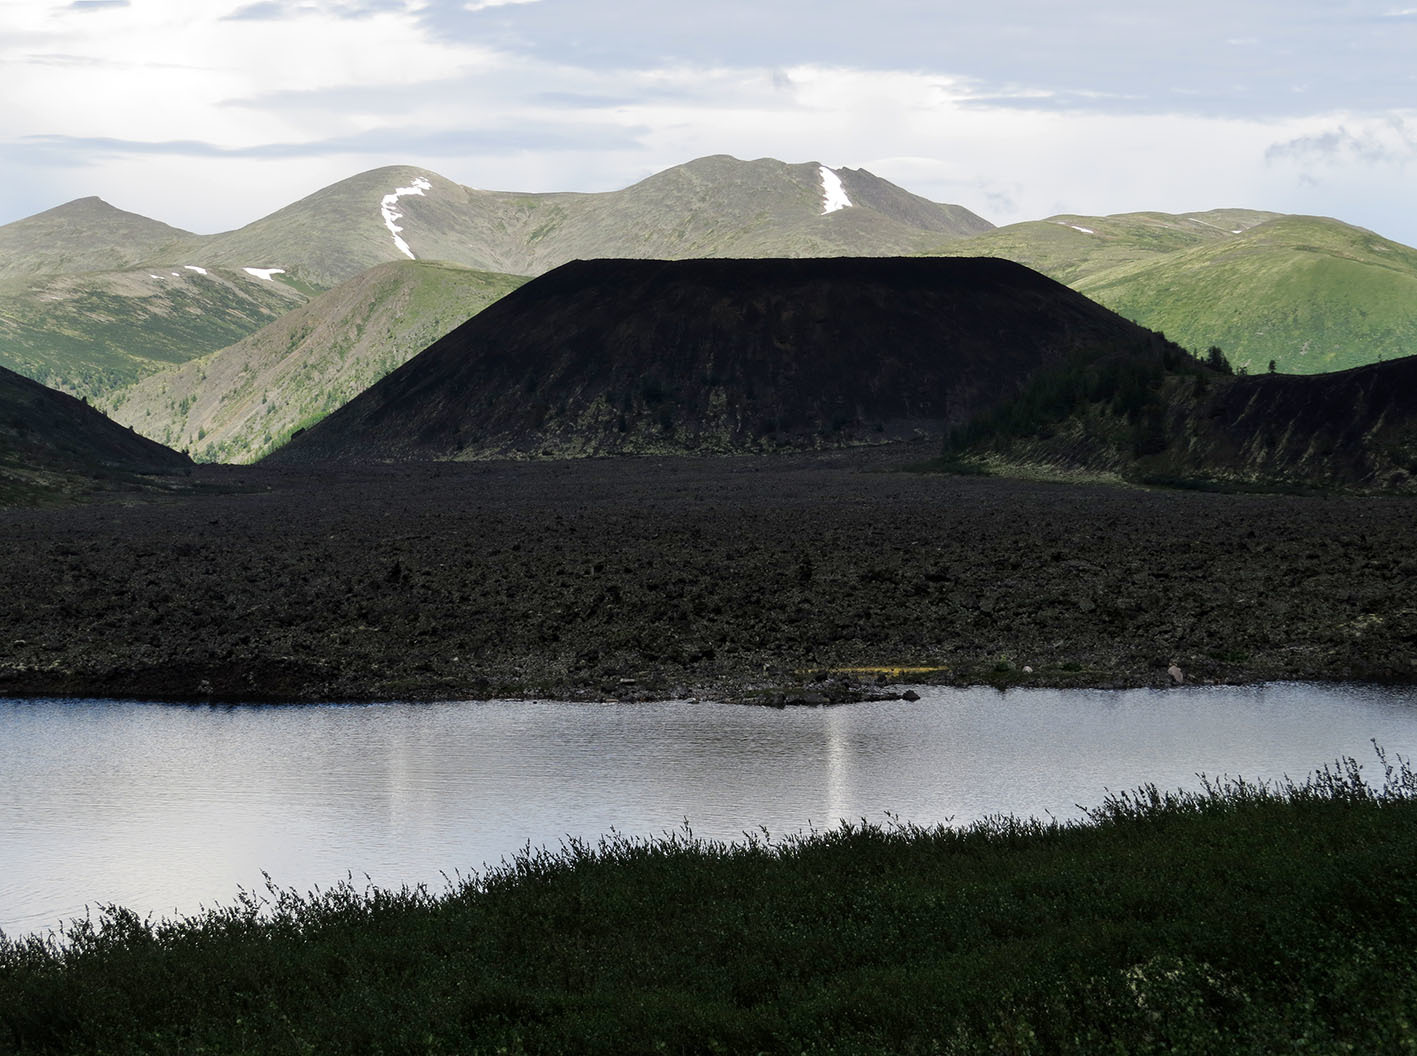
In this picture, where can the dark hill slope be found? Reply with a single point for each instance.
(611, 356)
(1350, 429)
(49, 442)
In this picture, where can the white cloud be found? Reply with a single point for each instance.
(348, 86)
(482, 5)
(161, 69)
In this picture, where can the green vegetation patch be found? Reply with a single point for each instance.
(1243, 917)
(1310, 293)
(91, 335)
(240, 403)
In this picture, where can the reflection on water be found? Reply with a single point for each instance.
(163, 807)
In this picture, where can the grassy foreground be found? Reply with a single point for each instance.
(1242, 918)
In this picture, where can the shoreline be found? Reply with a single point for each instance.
(808, 693)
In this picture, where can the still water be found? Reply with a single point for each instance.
(164, 808)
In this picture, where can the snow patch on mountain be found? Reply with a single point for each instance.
(833, 193)
(193, 267)
(264, 273)
(1076, 227)
(388, 209)
(1217, 227)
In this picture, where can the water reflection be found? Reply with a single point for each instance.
(165, 807)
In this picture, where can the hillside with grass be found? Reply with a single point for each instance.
(1310, 293)
(241, 402)
(93, 332)
(716, 356)
(1070, 247)
(722, 207)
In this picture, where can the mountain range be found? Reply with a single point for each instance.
(93, 298)
(712, 207)
(225, 344)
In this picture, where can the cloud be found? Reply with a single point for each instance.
(394, 141)
(1392, 141)
(58, 59)
(1017, 109)
(269, 10)
(95, 5)
(117, 78)
(1209, 56)
(483, 5)
(277, 10)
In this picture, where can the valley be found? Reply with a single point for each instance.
(639, 478)
(244, 401)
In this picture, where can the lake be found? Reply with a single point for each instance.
(164, 808)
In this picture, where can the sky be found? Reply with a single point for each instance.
(208, 114)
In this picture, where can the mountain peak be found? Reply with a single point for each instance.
(88, 208)
(86, 234)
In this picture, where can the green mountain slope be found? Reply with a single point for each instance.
(335, 233)
(1311, 293)
(83, 235)
(91, 333)
(237, 404)
(722, 207)
(1069, 247)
